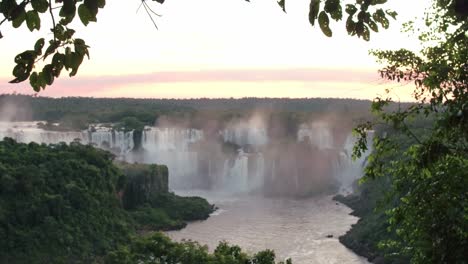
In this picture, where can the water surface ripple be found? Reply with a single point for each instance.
(294, 228)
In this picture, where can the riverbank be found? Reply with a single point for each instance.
(368, 203)
(305, 230)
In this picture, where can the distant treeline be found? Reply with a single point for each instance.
(78, 112)
(47, 108)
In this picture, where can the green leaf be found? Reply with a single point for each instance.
(373, 26)
(33, 81)
(84, 14)
(18, 21)
(51, 49)
(359, 27)
(7, 6)
(391, 13)
(26, 57)
(19, 70)
(67, 62)
(350, 9)
(75, 61)
(313, 11)
(67, 11)
(32, 20)
(47, 72)
(69, 33)
(379, 16)
(366, 33)
(281, 3)
(101, 3)
(324, 23)
(58, 62)
(333, 7)
(41, 80)
(39, 45)
(40, 6)
(92, 6)
(59, 32)
(81, 47)
(351, 26)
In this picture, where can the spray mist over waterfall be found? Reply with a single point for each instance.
(242, 156)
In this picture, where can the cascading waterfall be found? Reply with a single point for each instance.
(298, 167)
(171, 146)
(347, 170)
(118, 141)
(243, 174)
(318, 134)
(27, 132)
(244, 135)
(235, 177)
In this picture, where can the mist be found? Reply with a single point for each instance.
(257, 152)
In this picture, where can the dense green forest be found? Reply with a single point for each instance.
(78, 112)
(369, 204)
(72, 204)
(160, 248)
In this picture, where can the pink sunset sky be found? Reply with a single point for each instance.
(218, 48)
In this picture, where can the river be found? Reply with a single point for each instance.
(299, 229)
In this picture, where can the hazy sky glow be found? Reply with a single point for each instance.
(217, 48)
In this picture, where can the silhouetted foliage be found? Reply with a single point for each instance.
(158, 248)
(429, 175)
(64, 51)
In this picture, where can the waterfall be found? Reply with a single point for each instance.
(171, 146)
(243, 135)
(27, 132)
(347, 170)
(318, 134)
(245, 173)
(283, 166)
(235, 176)
(117, 141)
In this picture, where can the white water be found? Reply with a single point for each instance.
(118, 141)
(293, 228)
(171, 147)
(244, 135)
(318, 134)
(347, 170)
(296, 229)
(254, 169)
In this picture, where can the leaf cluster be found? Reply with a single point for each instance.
(427, 164)
(158, 248)
(362, 16)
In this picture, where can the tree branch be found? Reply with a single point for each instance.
(53, 19)
(146, 8)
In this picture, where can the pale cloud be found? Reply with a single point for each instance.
(292, 83)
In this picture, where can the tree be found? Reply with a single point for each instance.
(428, 165)
(158, 248)
(65, 51)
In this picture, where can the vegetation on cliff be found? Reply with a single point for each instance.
(58, 203)
(68, 203)
(364, 237)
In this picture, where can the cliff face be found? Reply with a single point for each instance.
(142, 182)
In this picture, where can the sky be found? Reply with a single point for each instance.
(218, 48)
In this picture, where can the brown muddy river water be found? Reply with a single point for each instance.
(293, 228)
